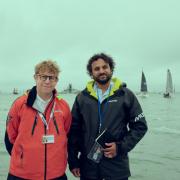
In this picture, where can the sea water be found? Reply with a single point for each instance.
(157, 155)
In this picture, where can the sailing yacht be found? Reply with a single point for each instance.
(143, 89)
(169, 85)
(15, 91)
(70, 90)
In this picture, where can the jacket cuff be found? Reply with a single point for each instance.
(8, 144)
(74, 164)
(120, 149)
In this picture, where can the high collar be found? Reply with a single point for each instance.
(32, 96)
(116, 85)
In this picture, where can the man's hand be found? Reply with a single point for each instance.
(111, 150)
(76, 172)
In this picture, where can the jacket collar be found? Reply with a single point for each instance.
(32, 93)
(116, 85)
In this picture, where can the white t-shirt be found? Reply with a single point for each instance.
(41, 104)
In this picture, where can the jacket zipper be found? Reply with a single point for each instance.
(45, 146)
(45, 158)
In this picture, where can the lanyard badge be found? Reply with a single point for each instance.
(44, 119)
(48, 139)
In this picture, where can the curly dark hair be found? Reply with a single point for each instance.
(103, 56)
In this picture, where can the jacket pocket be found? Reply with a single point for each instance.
(21, 156)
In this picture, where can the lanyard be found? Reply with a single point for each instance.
(44, 119)
(100, 113)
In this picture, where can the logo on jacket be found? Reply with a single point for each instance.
(58, 111)
(139, 117)
(114, 100)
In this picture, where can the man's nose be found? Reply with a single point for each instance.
(47, 80)
(101, 70)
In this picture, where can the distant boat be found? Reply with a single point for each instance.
(169, 85)
(143, 89)
(70, 90)
(15, 91)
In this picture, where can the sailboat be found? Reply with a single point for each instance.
(70, 90)
(143, 90)
(169, 85)
(15, 91)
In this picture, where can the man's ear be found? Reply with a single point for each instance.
(35, 76)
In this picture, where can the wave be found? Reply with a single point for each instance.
(165, 129)
(4, 109)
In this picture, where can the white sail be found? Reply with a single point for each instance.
(169, 85)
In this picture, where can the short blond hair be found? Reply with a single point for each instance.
(47, 65)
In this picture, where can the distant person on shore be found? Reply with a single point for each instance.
(107, 123)
(37, 127)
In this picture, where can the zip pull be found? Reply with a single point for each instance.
(55, 124)
(34, 125)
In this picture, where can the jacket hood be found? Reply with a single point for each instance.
(32, 93)
(116, 85)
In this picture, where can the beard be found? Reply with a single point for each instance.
(103, 81)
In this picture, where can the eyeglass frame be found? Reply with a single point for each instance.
(44, 77)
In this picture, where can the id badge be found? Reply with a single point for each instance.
(95, 153)
(48, 139)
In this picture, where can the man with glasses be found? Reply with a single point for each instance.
(107, 123)
(37, 127)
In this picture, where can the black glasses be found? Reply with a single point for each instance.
(45, 77)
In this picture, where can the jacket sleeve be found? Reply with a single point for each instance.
(137, 126)
(68, 117)
(74, 137)
(8, 144)
(12, 126)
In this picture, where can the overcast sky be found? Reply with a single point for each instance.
(138, 34)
